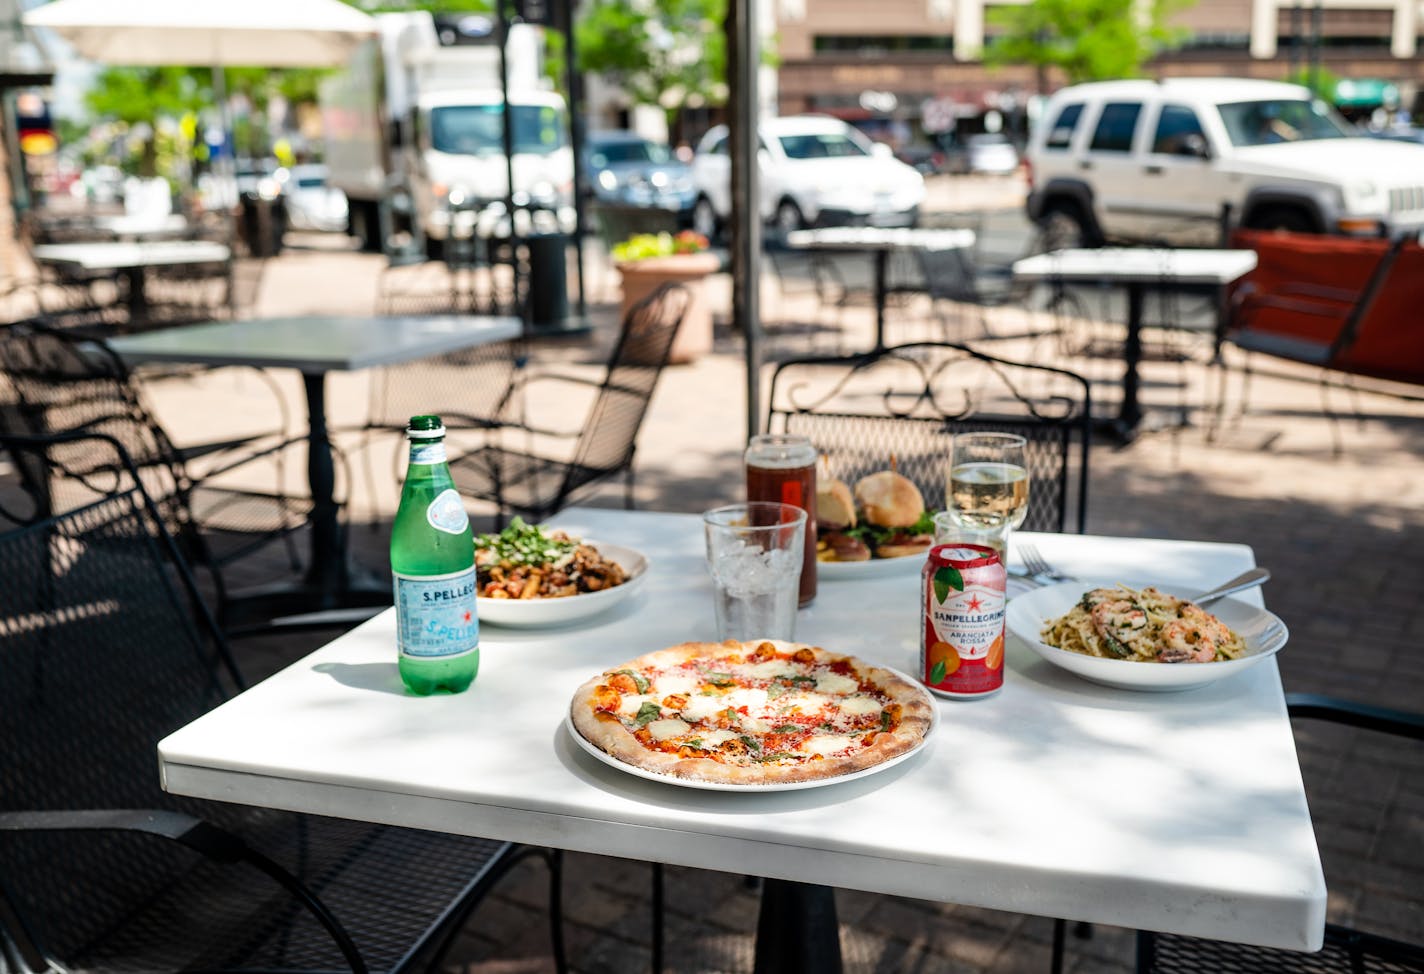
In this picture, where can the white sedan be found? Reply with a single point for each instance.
(814, 171)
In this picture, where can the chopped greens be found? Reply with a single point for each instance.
(720, 679)
(885, 720)
(786, 729)
(647, 713)
(752, 743)
(524, 544)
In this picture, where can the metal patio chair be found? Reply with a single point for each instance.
(1347, 950)
(107, 650)
(537, 484)
(908, 401)
(56, 382)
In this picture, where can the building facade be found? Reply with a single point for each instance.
(917, 67)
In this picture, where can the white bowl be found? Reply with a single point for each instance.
(1263, 632)
(540, 613)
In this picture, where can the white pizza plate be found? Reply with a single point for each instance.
(538, 613)
(598, 753)
(834, 571)
(1027, 614)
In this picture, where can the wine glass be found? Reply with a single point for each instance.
(986, 489)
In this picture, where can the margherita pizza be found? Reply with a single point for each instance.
(751, 713)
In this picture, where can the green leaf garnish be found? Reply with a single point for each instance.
(647, 713)
(947, 578)
(885, 719)
(786, 729)
(720, 679)
(639, 681)
(751, 743)
(938, 674)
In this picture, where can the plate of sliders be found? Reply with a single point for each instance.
(878, 528)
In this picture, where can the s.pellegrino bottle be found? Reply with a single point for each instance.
(433, 571)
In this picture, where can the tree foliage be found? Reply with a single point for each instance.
(1088, 40)
(668, 53)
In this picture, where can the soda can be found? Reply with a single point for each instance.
(962, 620)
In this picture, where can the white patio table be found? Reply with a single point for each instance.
(1179, 812)
(315, 345)
(1138, 270)
(131, 261)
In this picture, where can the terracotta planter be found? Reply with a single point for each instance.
(643, 277)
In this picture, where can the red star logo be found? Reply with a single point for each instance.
(974, 603)
(468, 615)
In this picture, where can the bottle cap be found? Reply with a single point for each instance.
(425, 428)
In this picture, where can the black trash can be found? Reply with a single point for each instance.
(262, 223)
(548, 279)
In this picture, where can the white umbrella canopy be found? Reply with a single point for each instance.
(258, 33)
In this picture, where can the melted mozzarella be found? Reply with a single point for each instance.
(633, 701)
(834, 683)
(712, 738)
(769, 670)
(661, 730)
(752, 698)
(860, 706)
(674, 683)
(825, 744)
(802, 700)
(703, 708)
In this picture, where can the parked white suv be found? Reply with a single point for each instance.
(1162, 161)
(815, 171)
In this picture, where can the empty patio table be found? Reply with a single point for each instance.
(131, 261)
(1181, 812)
(1138, 270)
(879, 242)
(315, 346)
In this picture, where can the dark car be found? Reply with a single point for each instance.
(626, 169)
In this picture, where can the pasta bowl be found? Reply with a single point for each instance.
(541, 613)
(1263, 632)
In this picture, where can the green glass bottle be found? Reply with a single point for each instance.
(433, 571)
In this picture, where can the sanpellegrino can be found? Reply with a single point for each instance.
(433, 571)
(962, 620)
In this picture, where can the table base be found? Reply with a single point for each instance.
(797, 931)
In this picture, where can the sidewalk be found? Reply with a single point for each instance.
(1341, 533)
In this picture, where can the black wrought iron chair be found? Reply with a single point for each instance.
(536, 484)
(58, 382)
(907, 402)
(107, 649)
(953, 277)
(1347, 950)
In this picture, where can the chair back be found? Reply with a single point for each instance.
(1334, 302)
(104, 650)
(468, 388)
(905, 404)
(948, 274)
(60, 382)
(608, 438)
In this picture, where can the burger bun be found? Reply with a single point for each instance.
(889, 500)
(834, 506)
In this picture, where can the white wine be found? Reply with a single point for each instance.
(988, 495)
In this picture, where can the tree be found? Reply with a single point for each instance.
(1088, 40)
(668, 53)
(135, 95)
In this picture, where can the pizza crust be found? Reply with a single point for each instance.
(609, 734)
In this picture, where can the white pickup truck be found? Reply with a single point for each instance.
(1175, 161)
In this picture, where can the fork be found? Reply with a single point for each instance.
(1036, 566)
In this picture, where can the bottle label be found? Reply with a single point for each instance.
(427, 452)
(435, 614)
(447, 514)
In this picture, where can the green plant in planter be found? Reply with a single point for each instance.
(642, 246)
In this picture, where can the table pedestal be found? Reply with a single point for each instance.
(797, 931)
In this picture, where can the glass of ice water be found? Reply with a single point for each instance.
(754, 553)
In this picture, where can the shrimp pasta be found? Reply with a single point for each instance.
(1145, 626)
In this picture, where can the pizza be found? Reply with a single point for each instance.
(747, 713)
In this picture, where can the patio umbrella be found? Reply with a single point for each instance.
(214, 33)
(211, 33)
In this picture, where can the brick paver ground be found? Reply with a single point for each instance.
(1341, 531)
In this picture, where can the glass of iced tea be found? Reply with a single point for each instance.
(781, 469)
(986, 489)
